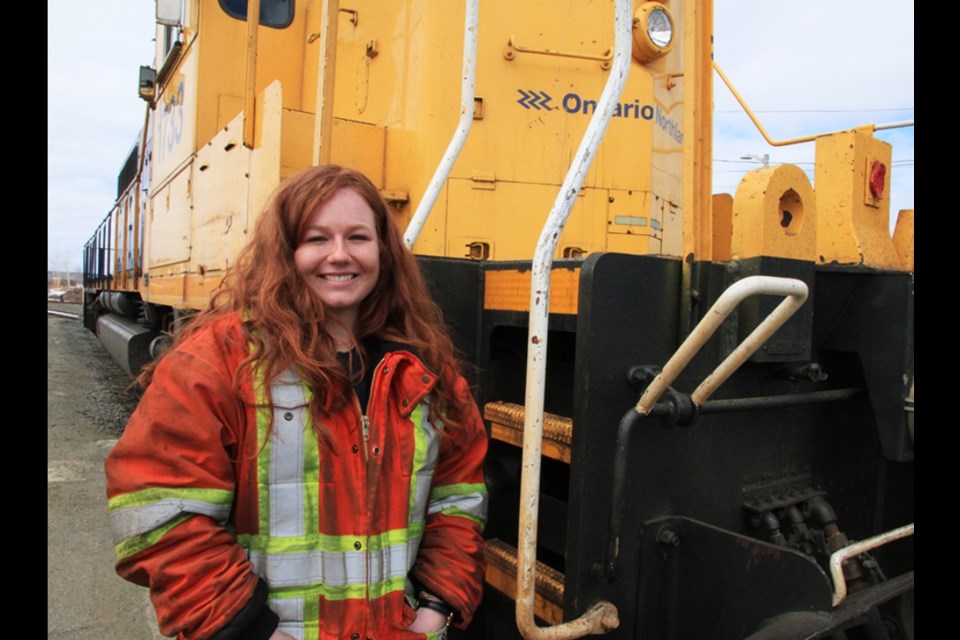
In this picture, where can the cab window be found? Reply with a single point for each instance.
(273, 13)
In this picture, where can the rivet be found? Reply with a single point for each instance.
(355, 636)
(355, 448)
(376, 451)
(357, 545)
(405, 402)
(288, 416)
(386, 369)
(425, 378)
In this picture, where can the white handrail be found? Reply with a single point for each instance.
(796, 292)
(467, 92)
(842, 555)
(602, 616)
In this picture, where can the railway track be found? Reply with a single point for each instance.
(63, 314)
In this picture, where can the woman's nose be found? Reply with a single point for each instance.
(338, 250)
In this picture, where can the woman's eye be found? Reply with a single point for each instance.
(314, 239)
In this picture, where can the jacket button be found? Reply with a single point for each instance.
(376, 451)
(425, 378)
(355, 636)
(288, 416)
(405, 402)
(357, 545)
(355, 448)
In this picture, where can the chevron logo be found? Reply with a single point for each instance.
(534, 99)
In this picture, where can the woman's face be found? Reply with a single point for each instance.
(338, 255)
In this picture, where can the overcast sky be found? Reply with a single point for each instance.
(803, 67)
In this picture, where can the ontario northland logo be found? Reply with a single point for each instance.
(534, 100)
(574, 103)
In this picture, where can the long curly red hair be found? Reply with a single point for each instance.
(287, 325)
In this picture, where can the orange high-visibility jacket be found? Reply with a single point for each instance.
(200, 511)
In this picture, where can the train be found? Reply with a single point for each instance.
(700, 405)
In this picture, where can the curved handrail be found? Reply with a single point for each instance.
(796, 292)
(782, 143)
(842, 555)
(467, 92)
(602, 616)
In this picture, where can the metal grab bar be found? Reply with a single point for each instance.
(602, 616)
(512, 47)
(781, 143)
(796, 292)
(467, 93)
(842, 555)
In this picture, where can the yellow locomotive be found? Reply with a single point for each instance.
(700, 405)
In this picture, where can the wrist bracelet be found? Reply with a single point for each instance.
(427, 600)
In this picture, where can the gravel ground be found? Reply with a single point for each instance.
(73, 354)
(89, 400)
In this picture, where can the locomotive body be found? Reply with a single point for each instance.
(700, 472)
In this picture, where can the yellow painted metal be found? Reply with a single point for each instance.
(392, 84)
(853, 227)
(509, 290)
(501, 574)
(183, 290)
(697, 30)
(774, 214)
(722, 226)
(250, 81)
(326, 77)
(903, 239)
(392, 81)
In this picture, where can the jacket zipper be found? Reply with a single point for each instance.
(365, 430)
(364, 420)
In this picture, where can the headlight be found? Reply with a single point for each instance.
(652, 32)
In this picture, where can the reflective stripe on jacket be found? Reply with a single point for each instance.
(199, 509)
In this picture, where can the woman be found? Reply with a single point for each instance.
(306, 461)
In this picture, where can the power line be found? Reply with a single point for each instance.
(817, 110)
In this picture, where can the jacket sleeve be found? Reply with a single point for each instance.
(170, 489)
(451, 562)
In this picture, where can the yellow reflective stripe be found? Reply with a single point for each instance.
(461, 489)
(217, 497)
(465, 500)
(329, 544)
(138, 543)
(311, 467)
(454, 511)
(264, 420)
(419, 456)
(345, 592)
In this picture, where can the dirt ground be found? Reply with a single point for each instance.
(88, 403)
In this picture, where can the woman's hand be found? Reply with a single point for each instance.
(280, 635)
(427, 620)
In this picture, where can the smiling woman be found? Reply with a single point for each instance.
(339, 258)
(313, 412)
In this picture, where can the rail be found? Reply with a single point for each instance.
(602, 616)
(842, 555)
(796, 294)
(467, 93)
(811, 138)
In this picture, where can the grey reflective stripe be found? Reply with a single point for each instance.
(289, 609)
(335, 569)
(426, 452)
(287, 444)
(140, 519)
(474, 504)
